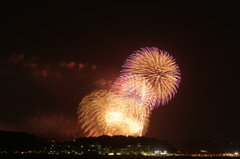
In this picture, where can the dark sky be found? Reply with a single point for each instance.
(49, 50)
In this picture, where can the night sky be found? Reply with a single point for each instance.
(53, 53)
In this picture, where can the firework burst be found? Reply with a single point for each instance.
(104, 113)
(158, 68)
(150, 78)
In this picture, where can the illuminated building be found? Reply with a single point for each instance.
(137, 149)
(93, 149)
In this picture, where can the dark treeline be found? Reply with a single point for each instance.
(20, 141)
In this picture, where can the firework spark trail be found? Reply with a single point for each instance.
(90, 111)
(158, 68)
